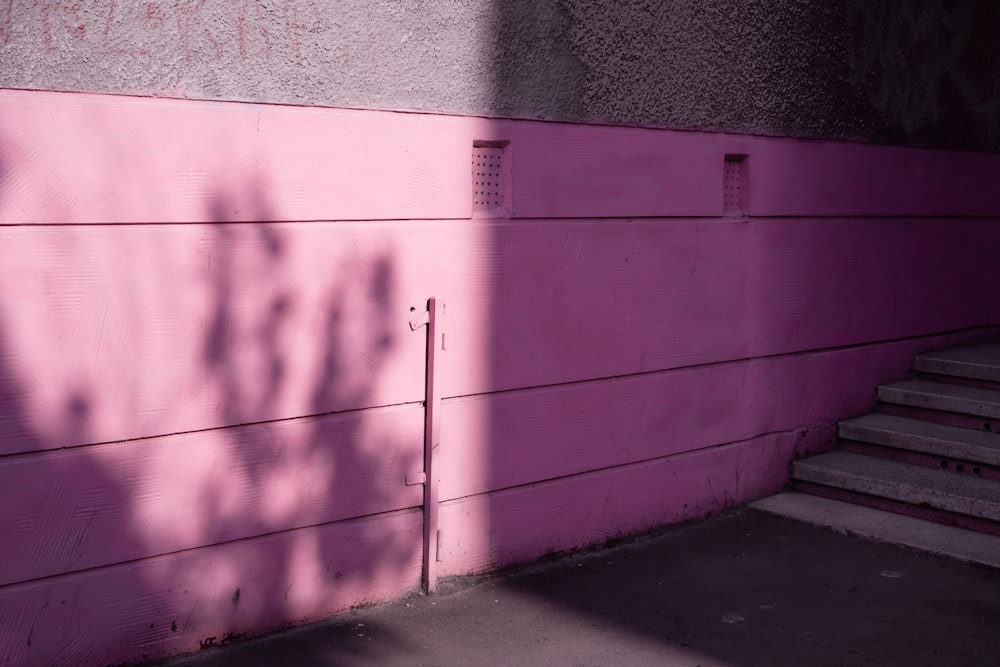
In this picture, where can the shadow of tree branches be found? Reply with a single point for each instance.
(271, 515)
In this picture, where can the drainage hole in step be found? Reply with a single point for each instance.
(960, 468)
(944, 464)
(987, 426)
(975, 470)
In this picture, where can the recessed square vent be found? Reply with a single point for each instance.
(734, 185)
(490, 176)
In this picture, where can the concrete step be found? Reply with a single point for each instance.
(903, 483)
(880, 526)
(975, 362)
(947, 442)
(939, 396)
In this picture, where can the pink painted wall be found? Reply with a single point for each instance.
(210, 397)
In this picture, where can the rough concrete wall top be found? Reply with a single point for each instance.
(898, 71)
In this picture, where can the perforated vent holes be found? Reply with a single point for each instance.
(734, 184)
(488, 187)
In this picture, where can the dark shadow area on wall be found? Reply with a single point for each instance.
(338, 442)
(918, 72)
(801, 80)
(929, 71)
(259, 516)
(536, 73)
(35, 480)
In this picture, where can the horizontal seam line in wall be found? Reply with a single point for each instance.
(632, 464)
(227, 427)
(724, 362)
(167, 554)
(878, 216)
(213, 223)
(491, 222)
(846, 217)
(481, 222)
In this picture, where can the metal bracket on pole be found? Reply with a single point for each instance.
(432, 438)
(416, 478)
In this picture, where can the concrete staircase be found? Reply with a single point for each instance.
(923, 471)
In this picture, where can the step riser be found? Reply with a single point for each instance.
(957, 398)
(927, 460)
(903, 483)
(955, 379)
(972, 411)
(886, 505)
(947, 442)
(941, 417)
(980, 362)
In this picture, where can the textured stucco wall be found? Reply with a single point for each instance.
(912, 71)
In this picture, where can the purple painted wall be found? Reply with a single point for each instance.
(210, 394)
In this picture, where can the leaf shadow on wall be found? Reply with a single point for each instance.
(337, 463)
(51, 498)
(271, 494)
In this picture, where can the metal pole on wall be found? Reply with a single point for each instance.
(432, 437)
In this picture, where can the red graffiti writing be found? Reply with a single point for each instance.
(66, 17)
(251, 27)
(192, 30)
(294, 27)
(7, 22)
(46, 25)
(152, 15)
(72, 24)
(127, 26)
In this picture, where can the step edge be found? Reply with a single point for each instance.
(943, 402)
(865, 421)
(828, 461)
(908, 441)
(923, 387)
(895, 529)
(987, 509)
(959, 369)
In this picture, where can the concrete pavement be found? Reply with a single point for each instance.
(746, 588)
